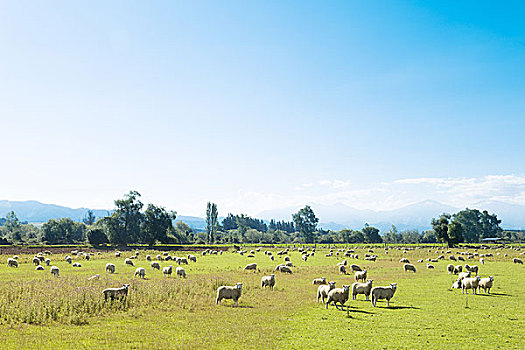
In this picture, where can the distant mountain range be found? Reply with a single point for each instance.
(333, 217)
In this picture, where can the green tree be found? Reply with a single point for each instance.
(96, 236)
(211, 221)
(156, 224)
(490, 225)
(13, 227)
(371, 234)
(183, 232)
(393, 236)
(447, 230)
(90, 218)
(306, 222)
(63, 231)
(470, 220)
(123, 226)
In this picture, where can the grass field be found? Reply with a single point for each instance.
(39, 311)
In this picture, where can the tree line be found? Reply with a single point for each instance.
(131, 222)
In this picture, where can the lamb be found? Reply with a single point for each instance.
(360, 275)
(128, 262)
(55, 271)
(141, 272)
(450, 268)
(110, 268)
(362, 288)
(469, 283)
(342, 269)
(192, 258)
(155, 265)
(409, 267)
(229, 292)
(167, 270)
(268, 281)
(39, 268)
(94, 277)
(383, 293)
(12, 262)
(36, 261)
(319, 281)
(251, 267)
(338, 295)
(47, 261)
(463, 275)
(457, 284)
(486, 284)
(458, 269)
(113, 293)
(517, 261)
(355, 268)
(179, 271)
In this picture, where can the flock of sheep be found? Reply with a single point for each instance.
(327, 292)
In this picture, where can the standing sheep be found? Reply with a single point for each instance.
(251, 267)
(36, 261)
(387, 293)
(463, 275)
(12, 262)
(362, 288)
(486, 284)
(68, 259)
(47, 261)
(112, 293)
(360, 275)
(268, 281)
(148, 257)
(482, 261)
(192, 258)
(110, 268)
(355, 268)
(155, 265)
(450, 268)
(141, 272)
(469, 283)
(319, 281)
(167, 270)
(179, 271)
(229, 292)
(342, 269)
(128, 261)
(338, 295)
(409, 267)
(54, 271)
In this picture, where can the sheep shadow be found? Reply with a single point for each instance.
(494, 294)
(400, 307)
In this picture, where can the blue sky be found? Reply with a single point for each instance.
(264, 104)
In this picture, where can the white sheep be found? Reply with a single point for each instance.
(404, 260)
(457, 284)
(338, 295)
(148, 257)
(47, 261)
(179, 271)
(192, 258)
(387, 293)
(472, 268)
(39, 268)
(409, 267)
(429, 266)
(55, 271)
(11, 262)
(458, 269)
(485, 284)
(251, 267)
(342, 269)
(450, 268)
(355, 268)
(319, 281)
(141, 272)
(68, 259)
(285, 269)
(77, 264)
(465, 274)
(110, 268)
(268, 281)
(36, 261)
(167, 270)
(113, 293)
(128, 261)
(517, 261)
(182, 261)
(155, 265)
(469, 283)
(362, 288)
(94, 277)
(229, 292)
(360, 275)
(482, 261)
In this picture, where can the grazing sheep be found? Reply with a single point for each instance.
(159, 257)
(355, 268)
(452, 257)
(141, 272)
(472, 268)
(409, 267)
(429, 266)
(304, 257)
(420, 261)
(47, 261)
(458, 269)
(54, 271)
(110, 268)
(117, 254)
(286, 258)
(68, 259)
(77, 264)
(167, 270)
(360, 275)
(94, 277)
(229, 292)
(461, 258)
(155, 265)
(87, 257)
(192, 258)
(338, 295)
(362, 288)
(36, 261)
(116, 293)
(11, 262)
(128, 262)
(179, 271)
(268, 281)
(482, 261)
(383, 293)
(462, 275)
(342, 269)
(469, 283)
(486, 284)
(182, 261)
(319, 281)
(251, 267)
(285, 269)
(39, 268)
(404, 260)
(517, 261)
(450, 268)
(289, 264)
(148, 257)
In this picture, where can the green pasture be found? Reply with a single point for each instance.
(39, 311)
